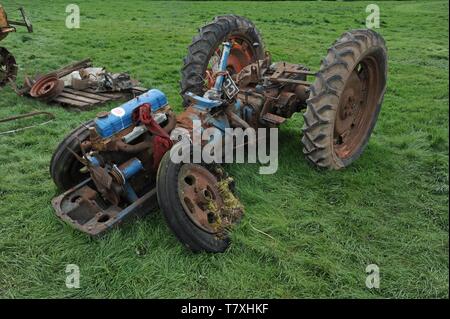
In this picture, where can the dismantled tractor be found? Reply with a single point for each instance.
(114, 166)
(8, 66)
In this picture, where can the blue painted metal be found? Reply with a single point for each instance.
(237, 106)
(130, 193)
(219, 121)
(121, 117)
(132, 168)
(248, 113)
(202, 102)
(93, 160)
(223, 66)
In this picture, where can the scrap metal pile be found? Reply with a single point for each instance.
(119, 164)
(80, 85)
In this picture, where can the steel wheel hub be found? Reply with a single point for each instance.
(199, 196)
(241, 55)
(356, 108)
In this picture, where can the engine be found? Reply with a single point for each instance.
(125, 145)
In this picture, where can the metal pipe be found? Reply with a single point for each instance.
(223, 66)
(281, 80)
(236, 119)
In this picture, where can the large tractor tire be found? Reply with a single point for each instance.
(8, 67)
(64, 166)
(201, 63)
(345, 100)
(189, 196)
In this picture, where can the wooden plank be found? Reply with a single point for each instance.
(87, 94)
(79, 98)
(139, 89)
(71, 102)
(117, 95)
(73, 67)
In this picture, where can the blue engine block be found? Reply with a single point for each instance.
(121, 117)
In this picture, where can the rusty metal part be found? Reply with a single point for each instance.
(115, 143)
(171, 121)
(8, 67)
(25, 21)
(7, 26)
(102, 179)
(25, 89)
(242, 54)
(47, 87)
(287, 104)
(302, 92)
(66, 70)
(356, 107)
(274, 91)
(200, 196)
(82, 208)
(133, 148)
(252, 73)
(290, 73)
(186, 118)
(273, 119)
(50, 116)
(235, 120)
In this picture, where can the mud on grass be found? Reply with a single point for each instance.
(390, 208)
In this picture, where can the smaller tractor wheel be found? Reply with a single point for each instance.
(203, 59)
(190, 196)
(345, 100)
(8, 67)
(64, 166)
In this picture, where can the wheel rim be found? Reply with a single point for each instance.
(357, 107)
(198, 193)
(242, 54)
(8, 67)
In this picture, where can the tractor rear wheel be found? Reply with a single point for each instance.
(202, 61)
(8, 67)
(64, 166)
(345, 100)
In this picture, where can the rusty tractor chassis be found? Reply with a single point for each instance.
(118, 165)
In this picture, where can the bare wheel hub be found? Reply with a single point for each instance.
(241, 55)
(199, 196)
(356, 107)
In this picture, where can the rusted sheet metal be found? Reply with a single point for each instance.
(82, 208)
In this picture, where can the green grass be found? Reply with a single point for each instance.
(390, 208)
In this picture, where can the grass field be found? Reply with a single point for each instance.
(390, 208)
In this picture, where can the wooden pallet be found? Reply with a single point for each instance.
(88, 98)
